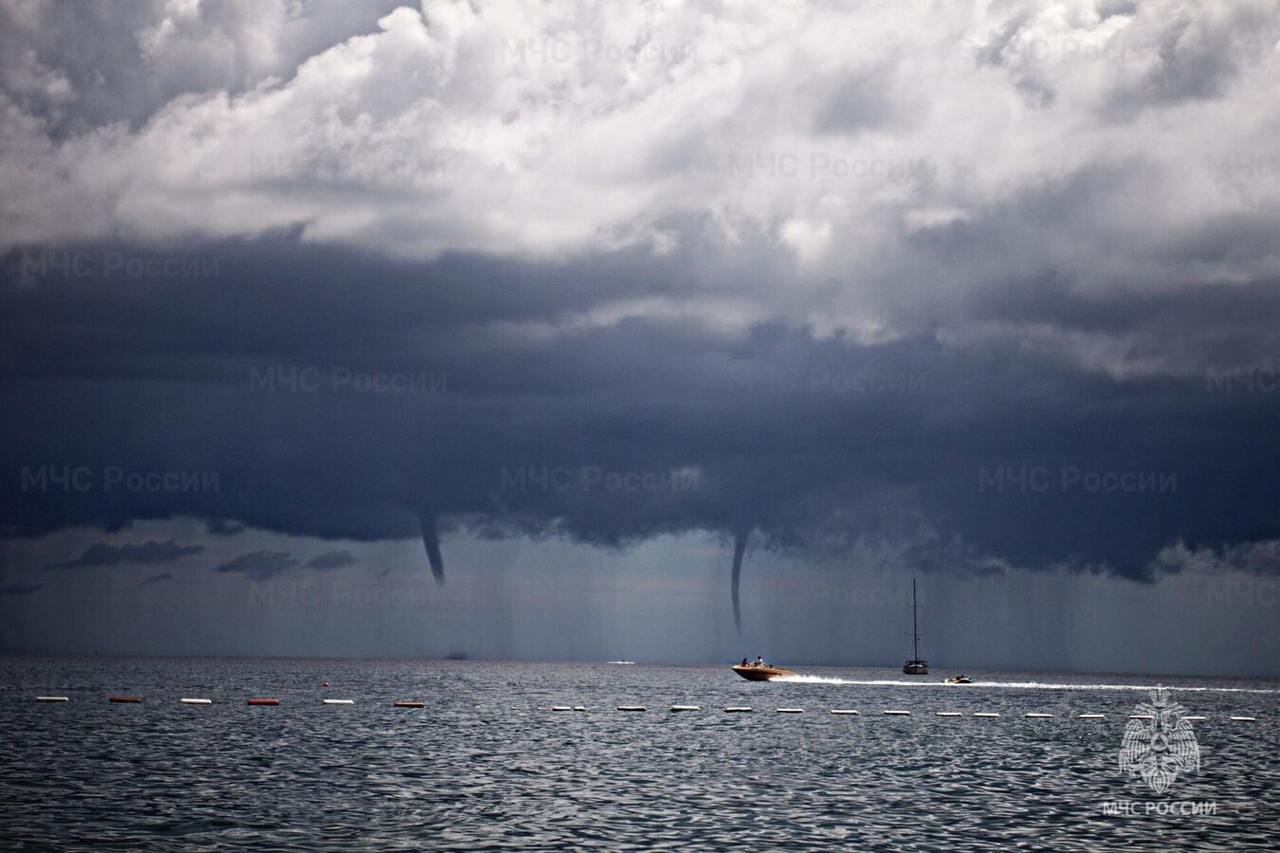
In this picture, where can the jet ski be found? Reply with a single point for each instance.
(958, 679)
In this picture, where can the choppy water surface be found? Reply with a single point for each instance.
(486, 764)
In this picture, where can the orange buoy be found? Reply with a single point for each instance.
(405, 703)
(264, 701)
(125, 700)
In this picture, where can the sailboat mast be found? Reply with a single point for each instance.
(915, 625)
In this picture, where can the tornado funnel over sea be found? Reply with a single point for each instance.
(740, 537)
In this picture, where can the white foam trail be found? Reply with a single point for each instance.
(1023, 685)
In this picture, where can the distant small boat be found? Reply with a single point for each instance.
(915, 666)
(761, 672)
(958, 679)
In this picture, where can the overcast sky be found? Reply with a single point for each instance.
(508, 329)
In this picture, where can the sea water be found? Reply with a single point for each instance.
(486, 763)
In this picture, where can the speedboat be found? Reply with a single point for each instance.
(958, 679)
(760, 672)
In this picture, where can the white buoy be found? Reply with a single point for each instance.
(1091, 716)
(632, 708)
(686, 707)
(196, 701)
(1036, 715)
(949, 714)
(561, 708)
(845, 712)
(579, 707)
(1194, 718)
(737, 710)
(988, 715)
(1140, 716)
(1244, 719)
(788, 710)
(338, 701)
(52, 699)
(897, 713)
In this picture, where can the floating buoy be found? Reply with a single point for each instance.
(579, 707)
(686, 707)
(1244, 719)
(948, 714)
(1092, 716)
(845, 712)
(788, 710)
(338, 701)
(52, 699)
(406, 703)
(897, 713)
(264, 702)
(1036, 715)
(986, 714)
(125, 700)
(1195, 719)
(326, 684)
(737, 709)
(196, 701)
(1140, 716)
(632, 708)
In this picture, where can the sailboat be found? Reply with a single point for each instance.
(915, 666)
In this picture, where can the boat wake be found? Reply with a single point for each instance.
(1023, 685)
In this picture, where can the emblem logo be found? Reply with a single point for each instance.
(1161, 747)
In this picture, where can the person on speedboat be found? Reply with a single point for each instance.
(759, 661)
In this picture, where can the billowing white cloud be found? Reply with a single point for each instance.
(894, 167)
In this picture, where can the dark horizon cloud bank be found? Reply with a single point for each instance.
(988, 293)
(105, 554)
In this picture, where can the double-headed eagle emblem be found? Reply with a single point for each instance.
(1159, 748)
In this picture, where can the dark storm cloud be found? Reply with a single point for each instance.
(258, 565)
(155, 579)
(959, 455)
(331, 560)
(105, 554)
(17, 589)
(223, 527)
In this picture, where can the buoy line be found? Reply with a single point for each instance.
(129, 699)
